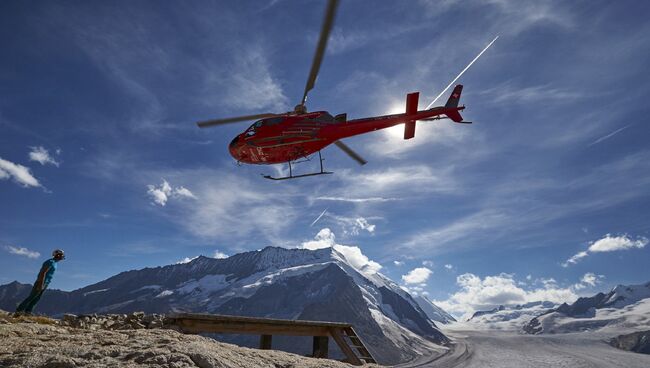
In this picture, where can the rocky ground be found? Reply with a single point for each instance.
(132, 340)
(638, 342)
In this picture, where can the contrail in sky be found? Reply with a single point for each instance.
(318, 218)
(609, 135)
(461, 73)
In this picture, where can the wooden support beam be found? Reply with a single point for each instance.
(345, 348)
(266, 342)
(320, 347)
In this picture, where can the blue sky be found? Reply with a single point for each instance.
(99, 102)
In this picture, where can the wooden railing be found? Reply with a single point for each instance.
(342, 333)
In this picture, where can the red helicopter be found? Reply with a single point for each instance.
(290, 136)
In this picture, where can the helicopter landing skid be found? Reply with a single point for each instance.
(291, 176)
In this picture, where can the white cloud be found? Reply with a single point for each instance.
(608, 243)
(219, 255)
(164, 192)
(363, 224)
(575, 258)
(20, 174)
(449, 267)
(22, 251)
(590, 279)
(186, 260)
(417, 276)
(42, 156)
(427, 263)
(483, 294)
(353, 225)
(398, 263)
(184, 192)
(326, 239)
(611, 243)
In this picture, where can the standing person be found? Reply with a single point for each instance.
(42, 281)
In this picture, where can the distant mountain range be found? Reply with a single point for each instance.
(624, 308)
(618, 297)
(510, 312)
(272, 282)
(509, 317)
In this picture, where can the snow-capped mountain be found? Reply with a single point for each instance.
(434, 312)
(624, 305)
(511, 317)
(273, 282)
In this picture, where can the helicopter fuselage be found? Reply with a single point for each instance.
(290, 137)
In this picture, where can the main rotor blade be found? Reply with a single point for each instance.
(355, 156)
(461, 73)
(328, 22)
(213, 122)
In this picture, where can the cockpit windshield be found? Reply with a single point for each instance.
(264, 122)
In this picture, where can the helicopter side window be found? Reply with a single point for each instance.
(251, 130)
(273, 121)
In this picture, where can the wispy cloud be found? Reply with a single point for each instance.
(355, 200)
(353, 225)
(42, 156)
(19, 173)
(250, 84)
(513, 15)
(508, 93)
(22, 251)
(236, 207)
(511, 208)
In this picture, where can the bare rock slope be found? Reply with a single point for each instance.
(42, 342)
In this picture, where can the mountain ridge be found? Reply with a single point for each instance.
(272, 282)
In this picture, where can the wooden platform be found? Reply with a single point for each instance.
(342, 333)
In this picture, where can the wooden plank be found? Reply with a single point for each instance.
(197, 326)
(266, 342)
(345, 348)
(240, 319)
(320, 347)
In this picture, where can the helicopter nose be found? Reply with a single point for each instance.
(233, 144)
(234, 149)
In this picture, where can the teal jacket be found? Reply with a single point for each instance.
(47, 272)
